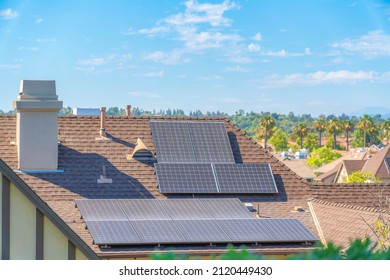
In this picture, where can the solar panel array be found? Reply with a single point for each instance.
(184, 221)
(215, 178)
(178, 141)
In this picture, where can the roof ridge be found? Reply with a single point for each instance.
(345, 205)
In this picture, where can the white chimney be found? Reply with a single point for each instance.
(37, 109)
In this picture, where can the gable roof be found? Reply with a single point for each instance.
(82, 157)
(351, 155)
(377, 166)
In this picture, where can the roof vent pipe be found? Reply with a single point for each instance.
(128, 110)
(103, 121)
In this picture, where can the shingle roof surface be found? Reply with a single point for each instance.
(81, 157)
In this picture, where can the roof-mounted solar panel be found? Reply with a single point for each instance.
(288, 230)
(100, 210)
(210, 141)
(172, 141)
(245, 178)
(185, 178)
(202, 231)
(227, 208)
(158, 232)
(143, 209)
(189, 209)
(112, 232)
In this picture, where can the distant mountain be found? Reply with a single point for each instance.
(384, 112)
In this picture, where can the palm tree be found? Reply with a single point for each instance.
(320, 126)
(334, 127)
(386, 130)
(266, 123)
(348, 126)
(301, 131)
(366, 123)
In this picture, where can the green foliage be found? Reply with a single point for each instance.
(360, 176)
(358, 250)
(358, 138)
(329, 144)
(322, 156)
(279, 140)
(311, 142)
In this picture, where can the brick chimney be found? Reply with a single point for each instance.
(37, 109)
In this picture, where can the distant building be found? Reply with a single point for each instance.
(86, 111)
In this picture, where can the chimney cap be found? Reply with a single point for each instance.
(38, 90)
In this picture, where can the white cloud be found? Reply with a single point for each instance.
(372, 45)
(8, 14)
(237, 68)
(173, 57)
(10, 66)
(38, 20)
(322, 77)
(23, 48)
(92, 61)
(154, 30)
(253, 48)
(46, 40)
(152, 74)
(258, 37)
(196, 28)
(144, 94)
(240, 59)
(284, 53)
(197, 13)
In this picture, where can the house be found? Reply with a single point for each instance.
(299, 166)
(375, 164)
(65, 179)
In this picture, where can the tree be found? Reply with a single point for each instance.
(360, 176)
(279, 140)
(366, 124)
(310, 142)
(266, 124)
(320, 126)
(322, 156)
(348, 126)
(386, 130)
(334, 127)
(301, 131)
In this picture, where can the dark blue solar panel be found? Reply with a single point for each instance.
(202, 231)
(172, 141)
(158, 232)
(210, 142)
(245, 178)
(100, 210)
(143, 209)
(185, 178)
(245, 230)
(288, 230)
(112, 232)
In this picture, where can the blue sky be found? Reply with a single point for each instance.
(302, 56)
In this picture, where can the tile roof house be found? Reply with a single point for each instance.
(96, 158)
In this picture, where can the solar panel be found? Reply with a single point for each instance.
(172, 141)
(189, 209)
(387, 161)
(227, 208)
(158, 232)
(202, 231)
(288, 230)
(100, 210)
(245, 230)
(112, 232)
(143, 209)
(185, 178)
(210, 142)
(245, 178)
